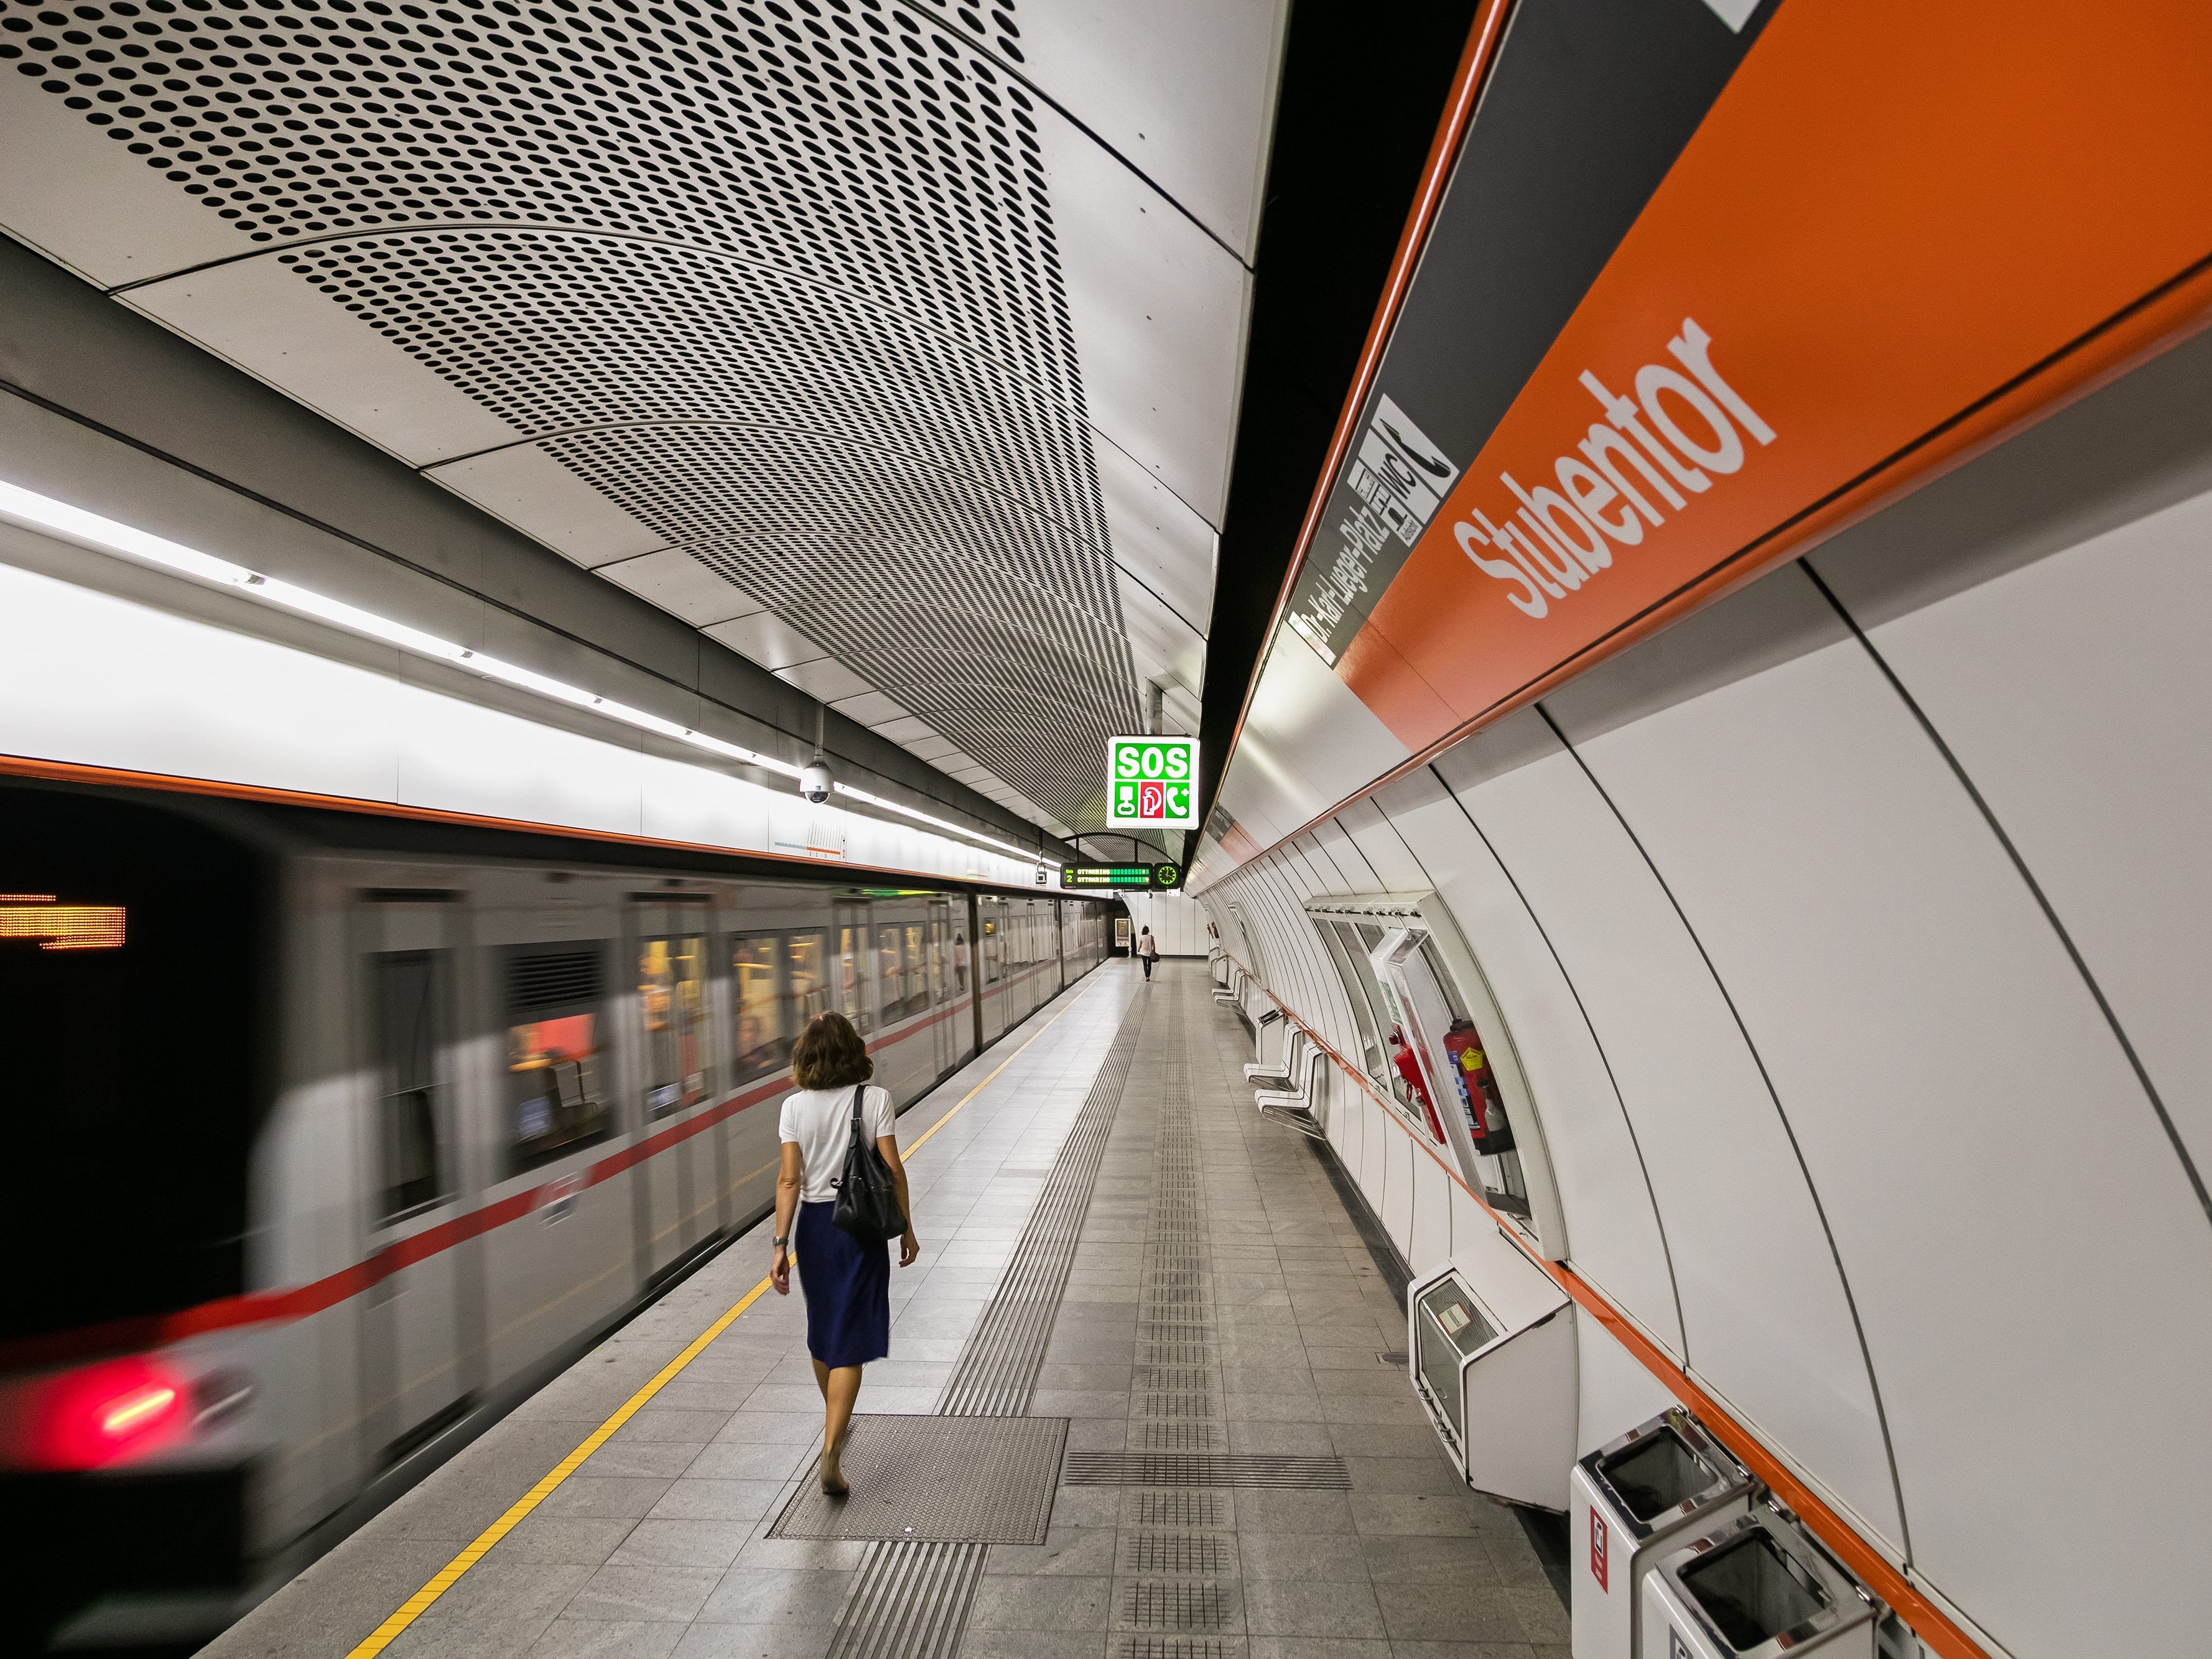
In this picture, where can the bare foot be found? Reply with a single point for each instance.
(833, 1485)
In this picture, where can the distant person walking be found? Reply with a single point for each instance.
(960, 961)
(1148, 951)
(846, 1283)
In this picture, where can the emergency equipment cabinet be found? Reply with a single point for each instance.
(1633, 1501)
(1501, 1392)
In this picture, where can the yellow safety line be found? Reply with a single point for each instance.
(449, 1575)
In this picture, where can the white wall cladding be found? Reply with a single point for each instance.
(1763, 905)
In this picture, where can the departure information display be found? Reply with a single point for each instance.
(1155, 878)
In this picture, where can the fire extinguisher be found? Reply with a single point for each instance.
(1487, 1125)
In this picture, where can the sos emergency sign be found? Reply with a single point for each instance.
(1151, 783)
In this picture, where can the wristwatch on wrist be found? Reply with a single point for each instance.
(784, 1242)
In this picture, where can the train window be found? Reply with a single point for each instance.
(853, 976)
(939, 981)
(806, 989)
(556, 1052)
(408, 992)
(891, 972)
(764, 1040)
(993, 948)
(917, 976)
(962, 950)
(671, 994)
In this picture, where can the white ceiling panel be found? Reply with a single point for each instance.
(1159, 310)
(767, 639)
(677, 582)
(260, 315)
(540, 497)
(1186, 92)
(909, 732)
(89, 204)
(1158, 538)
(824, 677)
(1159, 638)
(872, 708)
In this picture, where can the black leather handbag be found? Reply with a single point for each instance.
(867, 1197)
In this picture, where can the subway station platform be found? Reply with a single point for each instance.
(1118, 1249)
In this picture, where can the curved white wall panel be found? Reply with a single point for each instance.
(1946, 1071)
(1764, 1316)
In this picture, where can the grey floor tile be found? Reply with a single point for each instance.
(638, 1592)
(1084, 1551)
(690, 1499)
(606, 1497)
(686, 1543)
(603, 1638)
(1320, 1558)
(1006, 1602)
(562, 1541)
(746, 1460)
(666, 1458)
(777, 1595)
(791, 1641)
(1293, 1607)
(1437, 1611)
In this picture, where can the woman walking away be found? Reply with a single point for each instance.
(1148, 952)
(846, 1283)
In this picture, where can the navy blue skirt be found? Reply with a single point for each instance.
(847, 1286)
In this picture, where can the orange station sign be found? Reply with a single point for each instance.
(1901, 229)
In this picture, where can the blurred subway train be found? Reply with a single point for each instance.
(331, 1137)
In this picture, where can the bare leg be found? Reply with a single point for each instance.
(821, 1378)
(839, 1393)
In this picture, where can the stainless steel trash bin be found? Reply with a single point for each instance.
(1633, 1501)
(1758, 1588)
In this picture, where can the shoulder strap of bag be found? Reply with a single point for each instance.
(858, 1128)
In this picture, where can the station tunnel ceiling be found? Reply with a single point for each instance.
(899, 351)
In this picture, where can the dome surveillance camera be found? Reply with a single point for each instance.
(814, 782)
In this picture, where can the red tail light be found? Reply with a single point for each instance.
(110, 1411)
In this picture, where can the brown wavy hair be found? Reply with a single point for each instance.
(829, 1054)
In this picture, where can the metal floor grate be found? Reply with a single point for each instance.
(1173, 1469)
(937, 1480)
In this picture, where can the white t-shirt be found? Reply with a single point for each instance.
(820, 1122)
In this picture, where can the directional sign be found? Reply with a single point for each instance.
(1151, 783)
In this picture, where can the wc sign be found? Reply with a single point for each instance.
(1151, 783)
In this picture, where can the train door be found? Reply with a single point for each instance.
(419, 1362)
(680, 1184)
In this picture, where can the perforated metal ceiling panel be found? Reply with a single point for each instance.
(816, 299)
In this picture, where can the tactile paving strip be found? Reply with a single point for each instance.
(1180, 1468)
(937, 1480)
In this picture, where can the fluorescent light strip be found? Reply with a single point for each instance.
(44, 512)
